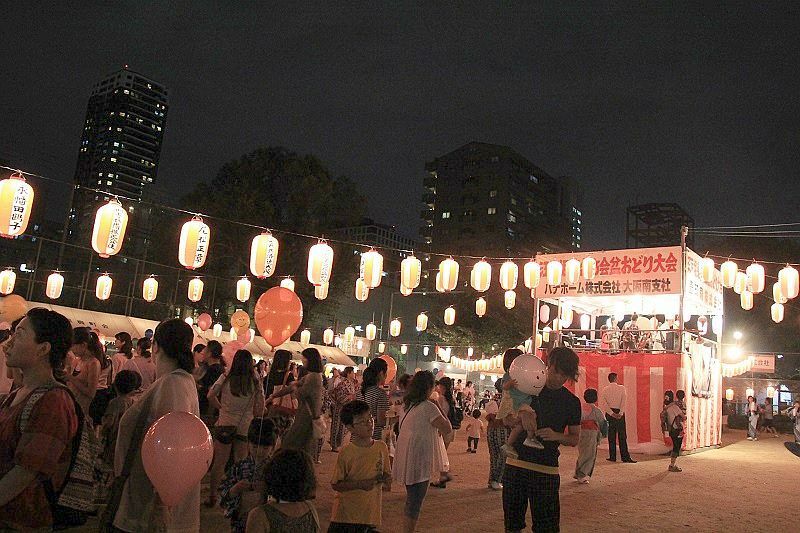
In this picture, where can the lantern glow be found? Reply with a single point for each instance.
(263, 255)
(572, 271)
(740, 283)
(403, 349)
(707, 269)
(509, 273)
(8, 278)
(481, 276)
(450, 316)
(288, 283)
(55, 284)
(394, 328)
(371, 270)
(149, 289)
(327, 336)
(510, 299)
(755, 278)
(349, 333)
(371, 331)
(729, 394)
(305, 337)
(103, 288)
(589, 268)
(405, 291)
(216, 332)
(320, 291)
(320, 263)
(746, 300)
(108, 232)
(243, 287)
(195, 290)
(16, 203)
(531, 274)
(448, 270)
(554, 273)
(410, 272)
(381, 347)
(361, 290)
(728, 270)
(789, 279)
(777, 293)
(422, 322)
(480, 307)
(194, 243)
(777, 311)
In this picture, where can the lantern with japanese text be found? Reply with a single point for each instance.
(361, 290)
(439, 285)
(410, 272)
(263, 255)
(554, 273)
(531, 274)
(572, 271)
(450, 316)
(728, 269)
(509, 274)
(8, 279)
(747, 300)
(103, 288)
(755, 278)
(371, 269)
(790, 281)
(480, 307)
(195, 290)
(321, 291)
(349, 333)
(288, 283)
(55, 284)
(371, 331)
(16, 202)
(448, 269)
(394, 328)
(740, 283)
(422, 322)
(707, 269)
(481, 276)
(108, 233)
(777, 312)
(243, 289)
(510, 299)
(194, 243)
(216, 331)
(320, 263)
(149, 289)
(327, 336)
(589, 268)
(305, 337)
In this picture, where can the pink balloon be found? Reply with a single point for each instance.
(278, 314)
(230, 349)
(204, 321)
(176, 453)
(391, 370)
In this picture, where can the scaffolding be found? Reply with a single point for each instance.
(652, 225)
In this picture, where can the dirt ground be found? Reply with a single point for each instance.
(729, 489)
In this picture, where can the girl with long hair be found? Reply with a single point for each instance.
(124, 345)
(84, 376)
(344, 392)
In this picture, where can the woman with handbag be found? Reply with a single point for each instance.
(238, 396)
(342, 393)
(308, 426)
(134, 505)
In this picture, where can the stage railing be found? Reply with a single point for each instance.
(620, 341)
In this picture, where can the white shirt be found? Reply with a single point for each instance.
(416, 444)
(613, 397)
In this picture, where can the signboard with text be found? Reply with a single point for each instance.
(764, 364)
(639, 271)
(701, 297)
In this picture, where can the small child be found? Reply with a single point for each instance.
(242, 487)
(361, 468)
(474, 429)
(290, 481)
(593, 428)
(125, 385)
(517, 404)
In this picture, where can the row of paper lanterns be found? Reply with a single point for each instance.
(749, 392)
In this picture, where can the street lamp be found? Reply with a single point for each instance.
(737, 335)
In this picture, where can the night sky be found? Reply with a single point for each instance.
(663, 103)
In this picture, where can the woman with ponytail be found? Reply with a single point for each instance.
(140, 508)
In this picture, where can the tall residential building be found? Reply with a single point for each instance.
(486, 199)
(119, 151)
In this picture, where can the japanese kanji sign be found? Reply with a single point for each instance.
(701, 298)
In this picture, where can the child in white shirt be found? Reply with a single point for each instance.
(473, 426)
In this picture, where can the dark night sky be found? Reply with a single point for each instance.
(697, 105)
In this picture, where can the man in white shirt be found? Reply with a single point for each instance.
(612, 400)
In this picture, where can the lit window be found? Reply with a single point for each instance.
(108, 183)
(534, 178)
(491, 211)
(113, 159)
(446, 214)
(511, 217)
(492, 193)
(513, 201)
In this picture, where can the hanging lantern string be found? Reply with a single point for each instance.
(726, 257)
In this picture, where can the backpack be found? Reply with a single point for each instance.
(75, 498)
(456, 416)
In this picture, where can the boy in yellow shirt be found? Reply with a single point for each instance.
(362, 469)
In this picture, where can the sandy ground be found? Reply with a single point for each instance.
(711, 494)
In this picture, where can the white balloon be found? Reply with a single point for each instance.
(530, 373)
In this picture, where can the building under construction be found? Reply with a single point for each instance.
(650, 225)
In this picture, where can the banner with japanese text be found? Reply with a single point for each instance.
(639, 271)
(702, 297)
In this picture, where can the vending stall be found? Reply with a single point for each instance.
(650, 315)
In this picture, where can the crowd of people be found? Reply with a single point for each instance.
(269, 422)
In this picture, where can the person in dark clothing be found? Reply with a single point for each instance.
(215, 368)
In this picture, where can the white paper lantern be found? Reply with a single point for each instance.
(746, 300)
(728, 269)
(410, 272)
(755, 278)
(359, 344)
(538, 340)
(470, 351)
(403, 349)
(361, 290)
(422, 322)
(777, 293)
(371, 269)
(232, 335)
(586, 322)
(789, 279)
(16, 203)
(103, 288)
(243, 289)
(554, 273)
(556, 324)
(320, 263)
(509, 272)
(729, 394)
(589, 268)
(544, 314)
(216, 332)
(288, 283)
(305, 337)
(55, 284)
(337, 341)
(572, 271)
(777, 312)
(194, 243)
(8, 278)
(749, 392)
(108, 232)
(567, 316)
(394, 328)
(450, 316)
(381, 347)
(263, 255)
(439, 284)
(320, 291)
(546, 333)
(349, 333)
(481, 276)
(371, 331)
(510, 299)
(480, 307)
(425, 351)
(405, 291)
(531, 274)
(150, 289)
(327, 336)
(448, 270)
(770, 392)
(195, 291)
(189, 320)
(740, 283)
(707, 269)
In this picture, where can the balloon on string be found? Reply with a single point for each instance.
(204, 321)
(278, 313)
(176, 453)
(530, 373)
(391, 368)
(240, 321)
(12, 307)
